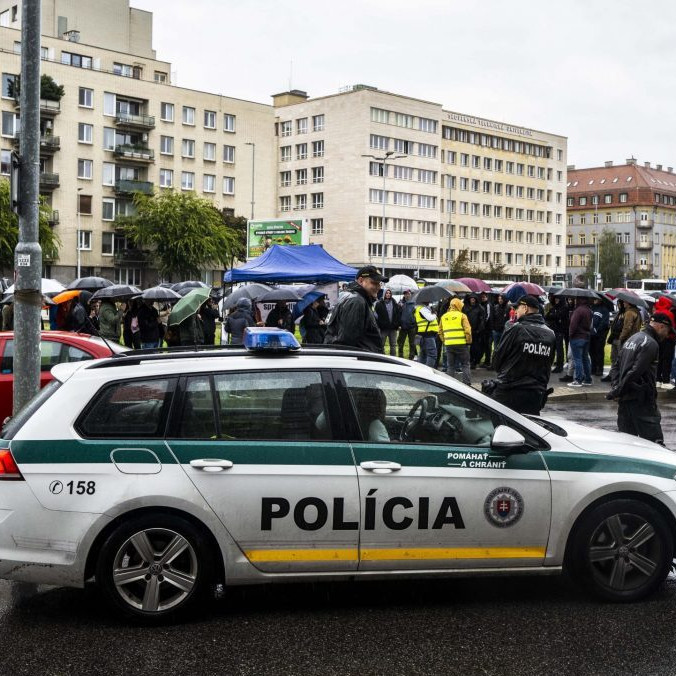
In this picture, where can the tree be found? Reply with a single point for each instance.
(462, 266)
(186, 233)
(9, 230)
(640, 273)
(49, 89)
(238, 225)
(611, 261)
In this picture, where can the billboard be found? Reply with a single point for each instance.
(261, 235)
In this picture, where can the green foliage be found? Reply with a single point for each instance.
(636, 273)
(461, 266)
(9, 230)
(49, 90)
(611, 261)
(186, 233)
(238, 225)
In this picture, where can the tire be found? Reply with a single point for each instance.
(155, 567)
(621, 551)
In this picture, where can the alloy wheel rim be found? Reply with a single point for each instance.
(155, 570)
(624, 552)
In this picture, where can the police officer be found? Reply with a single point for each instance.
(524, 358)
(427, 327)
(352, 321)
(636, 387)
(456, 335)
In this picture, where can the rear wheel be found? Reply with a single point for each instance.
(155, 566)
(622, 550)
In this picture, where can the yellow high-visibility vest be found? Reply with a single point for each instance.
(451, 325)
(424, 326)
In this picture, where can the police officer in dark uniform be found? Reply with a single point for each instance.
(523, 359)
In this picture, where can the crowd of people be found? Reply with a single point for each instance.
(523, 342)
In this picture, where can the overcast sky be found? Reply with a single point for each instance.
(600, 72)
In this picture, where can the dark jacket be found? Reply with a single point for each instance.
(557, 317)
(631, 324)
(580, 323)
(148, 326)
(209, 317)
(383, 318)
(235, 324)
(638, 367)
(407, 316)
(78, 319)
(352, 322)
(285, 315)
(476, 316)
(499, 316)
(314, 331)
(191, 331)
(600, 320)
(524, 356)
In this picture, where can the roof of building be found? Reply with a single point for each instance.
(595, 179)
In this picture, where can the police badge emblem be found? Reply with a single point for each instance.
(503, 507)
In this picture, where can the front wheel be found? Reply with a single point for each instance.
(154, 566)
(622, 550)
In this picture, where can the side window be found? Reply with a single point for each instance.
(72, 353)
(134, 409)
(397, 409)
(272, 406)
(196, 417)
(50, 354)
(7, 365)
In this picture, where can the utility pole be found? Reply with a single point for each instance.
(253, 174)
(28, 254)
(450, 226)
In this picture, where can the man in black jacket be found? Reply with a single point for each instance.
(523, 359)
(557, 321)
(388, 317)
(636, 388)
(477, 321)
(352, 321)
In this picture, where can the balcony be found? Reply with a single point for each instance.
(48, 108)
(132, 257)
(128, 187)
(644, 245)
(53, 218)
(135, 121)
(48, 181)
(645, 224)
(134, 153)
(48, 144)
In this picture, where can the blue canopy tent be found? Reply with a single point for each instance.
(308, 263)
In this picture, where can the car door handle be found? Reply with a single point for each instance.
(380, 466)
(211, 464)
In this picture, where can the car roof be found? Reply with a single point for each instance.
(79, 338)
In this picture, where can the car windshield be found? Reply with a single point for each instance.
(15, 423)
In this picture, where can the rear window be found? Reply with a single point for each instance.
(15, 423)
(136, 409)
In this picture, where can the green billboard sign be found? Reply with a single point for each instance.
(261, 235)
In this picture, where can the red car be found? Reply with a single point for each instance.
(55, 347)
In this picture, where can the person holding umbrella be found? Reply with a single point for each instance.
(110, 319)
(314, 327)
(209, 314)
(599, 334)
(149, 325)
(280, 317)
(238, 320)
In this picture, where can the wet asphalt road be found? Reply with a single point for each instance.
(480, 626)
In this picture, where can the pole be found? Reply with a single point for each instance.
(382, 267)
(253, 174)
(450, 227)
(28, 254)
(596, 247)
(79, 236)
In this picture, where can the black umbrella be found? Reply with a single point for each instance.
(160, 293)
(276, 295)
(606, 300)
(250, 291)
(431, 294)
(631, 298)
(577, 293)
(179, 286)
(89, 283)
(123, 291)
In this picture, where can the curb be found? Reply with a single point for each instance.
(600, 396)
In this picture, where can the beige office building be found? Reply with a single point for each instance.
(121, 127)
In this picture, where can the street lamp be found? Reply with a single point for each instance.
(79, 248)
(389, 155)
(253, 165)
(450, 226)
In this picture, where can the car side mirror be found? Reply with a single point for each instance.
(507, 439)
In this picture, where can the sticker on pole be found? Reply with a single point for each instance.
(23, 260)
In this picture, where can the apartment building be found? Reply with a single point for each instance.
(122, 127)
(362, 160)
(636, 202)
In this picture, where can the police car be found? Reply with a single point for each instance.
(162, 476)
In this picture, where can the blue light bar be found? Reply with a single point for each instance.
(265, 339)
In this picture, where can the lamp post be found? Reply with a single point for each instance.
(450, 226)
(79, 247)
(389, 155)
(596, 245)
(253, 174)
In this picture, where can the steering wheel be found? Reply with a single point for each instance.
(455, 425)
(415, 419)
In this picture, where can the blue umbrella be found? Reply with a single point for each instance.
(307, 300)
(515, 292)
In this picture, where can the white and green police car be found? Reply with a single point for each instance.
(163, 475)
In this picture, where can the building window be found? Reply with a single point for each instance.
(301, 151)
(84, 204)
(425, 124)
(317, 200)
(85, 169)
(209, 183)
(108, 209)
(317, 123)
(284, 179)
(318, 149)
(376, 250)
(379, 142)
(301, 202)
(229, 186)
(166, 145)
(317, 226)
(318, 174)
(607, 199)
(76, 60)
(286, 128)
(285, 203)
(210, 119)
(583, 201)
(229, 123)
(126, 70)
(85, 132)
(609, 218)
(166, 178)
(188, 115)
(5, 162)
(209, 152)
(108, 173)
(229, 154)
(167, 112)
(187, 180)
(85, 97)
(188, 148)
(427, 150)
(301, 125)
(301, 176)
(285, 154)
(375, 222)
(623, 197)
(160, 76)
(9, 123)
(85, 240)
